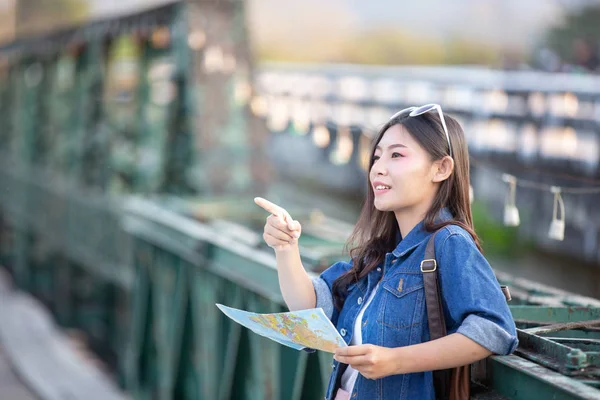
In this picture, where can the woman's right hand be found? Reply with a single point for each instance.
(281, 230)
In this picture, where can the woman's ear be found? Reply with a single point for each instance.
(442, 169)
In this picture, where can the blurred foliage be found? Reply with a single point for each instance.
(581, 25)
(497, 240)
(38, 16)
(384, 46)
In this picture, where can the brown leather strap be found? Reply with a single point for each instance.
(435, 312)
(433, 301)
(506, 292)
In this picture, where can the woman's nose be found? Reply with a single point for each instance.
(379, 168)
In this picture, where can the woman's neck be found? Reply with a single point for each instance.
(408, 218)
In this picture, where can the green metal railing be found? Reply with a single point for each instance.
(183, 269)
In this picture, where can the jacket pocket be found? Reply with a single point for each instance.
(402, 303)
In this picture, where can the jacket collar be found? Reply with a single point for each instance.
(418, 234)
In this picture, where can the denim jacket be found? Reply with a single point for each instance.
(473, 304)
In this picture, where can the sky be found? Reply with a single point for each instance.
(514, 22)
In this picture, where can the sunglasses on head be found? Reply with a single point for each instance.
(416, 111)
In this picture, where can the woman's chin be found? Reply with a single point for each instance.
(381, 206)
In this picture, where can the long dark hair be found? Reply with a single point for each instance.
(376, 232)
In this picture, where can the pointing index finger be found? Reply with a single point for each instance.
(270, 207)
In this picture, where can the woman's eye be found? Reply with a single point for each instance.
(375, 158)
(396, 155)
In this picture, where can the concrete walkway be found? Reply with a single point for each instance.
(44, 357)
(11, 387)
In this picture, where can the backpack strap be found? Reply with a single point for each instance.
(435, 313)
(433, 300)
(506, 292)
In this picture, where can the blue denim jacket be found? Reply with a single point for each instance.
(474, 306)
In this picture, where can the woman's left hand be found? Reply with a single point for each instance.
(373, 362)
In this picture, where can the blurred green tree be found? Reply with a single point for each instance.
(577, 39)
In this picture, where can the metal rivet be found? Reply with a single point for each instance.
(360, 300)
(379, 269)
(343, 332)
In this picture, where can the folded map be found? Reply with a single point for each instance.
(297, 329)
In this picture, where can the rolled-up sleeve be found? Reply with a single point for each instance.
(323, 286)
(473, 301)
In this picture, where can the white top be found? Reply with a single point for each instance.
(350, 374)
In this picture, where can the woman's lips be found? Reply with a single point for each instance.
(380, 187)
(381, 191)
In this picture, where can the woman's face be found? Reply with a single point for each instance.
(401, 176)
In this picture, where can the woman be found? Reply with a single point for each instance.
(418, 184)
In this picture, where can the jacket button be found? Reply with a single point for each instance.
(378, 269)
(359, 300)
(343, 332)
